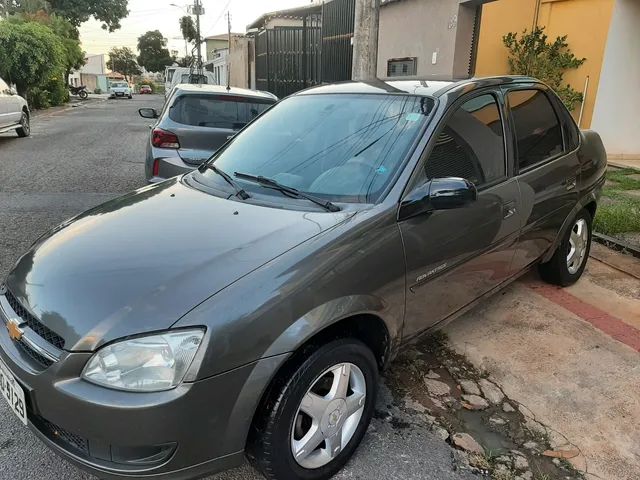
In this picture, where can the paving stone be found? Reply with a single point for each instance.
(520, 463)
(437, 387)
(507, 408)
(432, 375)
(496, 420)
(491, 391)
(474, 402)
(467, 443)
(470, 387)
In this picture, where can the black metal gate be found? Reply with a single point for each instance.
(288, 58)
(338, 18)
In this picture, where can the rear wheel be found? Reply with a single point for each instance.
(570, 259)
(315, 416)
(25, 126)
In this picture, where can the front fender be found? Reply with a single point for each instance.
(331, 313)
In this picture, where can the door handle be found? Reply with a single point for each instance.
(570, 183)
(509, 210)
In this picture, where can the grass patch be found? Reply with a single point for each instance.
(622, 214)
(623, 179)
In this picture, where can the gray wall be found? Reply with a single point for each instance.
(420, 28)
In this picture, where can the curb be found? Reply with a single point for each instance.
(616, 244)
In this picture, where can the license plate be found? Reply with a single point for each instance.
(13, 393)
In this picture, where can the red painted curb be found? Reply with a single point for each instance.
(612, 326)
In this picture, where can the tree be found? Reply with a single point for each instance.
(109, 12)
(154, 55)
(188, 29)
(533, 56)
(123, 60)
(31, 55)
(68, 34)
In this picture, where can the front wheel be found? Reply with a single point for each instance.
(25, 126)
(570, 259)
(315, 416)
(83, 95)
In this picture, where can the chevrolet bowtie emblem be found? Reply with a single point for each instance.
(15, 332)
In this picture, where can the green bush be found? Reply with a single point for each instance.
(97, 91)
(531, 55)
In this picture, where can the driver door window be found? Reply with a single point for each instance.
(471, 145)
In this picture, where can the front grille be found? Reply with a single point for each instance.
(63, 436)
(44, 362)
(34, 324)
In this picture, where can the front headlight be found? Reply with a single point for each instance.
(145, 364)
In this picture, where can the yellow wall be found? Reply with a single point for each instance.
(586, 22)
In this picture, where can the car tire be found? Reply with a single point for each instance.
(25, 129)
(570, 259)
(282, 423)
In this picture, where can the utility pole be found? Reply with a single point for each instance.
(365, 40)
(197, 11)
(228, 51)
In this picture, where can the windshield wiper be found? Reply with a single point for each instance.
(240, 192)
(271, 183)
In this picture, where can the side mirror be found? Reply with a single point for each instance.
(148, 113)
(438, 194)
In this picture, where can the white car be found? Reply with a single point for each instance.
(14, 111)
(120, 89)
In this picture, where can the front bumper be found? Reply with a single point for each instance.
(195, 429)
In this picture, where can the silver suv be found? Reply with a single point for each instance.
(14, 111)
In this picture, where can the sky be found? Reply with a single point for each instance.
(145, 15)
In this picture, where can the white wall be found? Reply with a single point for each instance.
(617, 111)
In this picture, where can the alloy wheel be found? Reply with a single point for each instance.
(578, 242)
(328, 415)
(24, 123)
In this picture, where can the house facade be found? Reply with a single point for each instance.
(606, 33)
(423, 38)
(92, 74)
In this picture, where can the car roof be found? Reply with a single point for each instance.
(222, 90)
(433, 86)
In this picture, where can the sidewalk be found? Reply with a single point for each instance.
(571, 357)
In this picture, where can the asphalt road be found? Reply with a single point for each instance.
(80, 157)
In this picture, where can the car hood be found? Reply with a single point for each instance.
(138, 263)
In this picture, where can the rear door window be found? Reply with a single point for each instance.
(538, 131)
(217, 111)
(471, 145)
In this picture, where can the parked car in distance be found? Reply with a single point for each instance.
(248, 306)
(120, 90)
(145, 89)
(14, 111)
(195, 121)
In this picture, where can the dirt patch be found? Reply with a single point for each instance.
(513, 445)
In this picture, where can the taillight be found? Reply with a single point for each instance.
(156, 167)
(163, 139)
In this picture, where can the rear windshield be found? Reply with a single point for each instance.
(217, 111)
(193, 78)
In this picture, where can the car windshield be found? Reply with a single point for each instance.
(342, 147)
(217, 111)
(119, 85)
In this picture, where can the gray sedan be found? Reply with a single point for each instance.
(194, 123)
(248, 307)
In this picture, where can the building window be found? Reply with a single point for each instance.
(402, 67)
